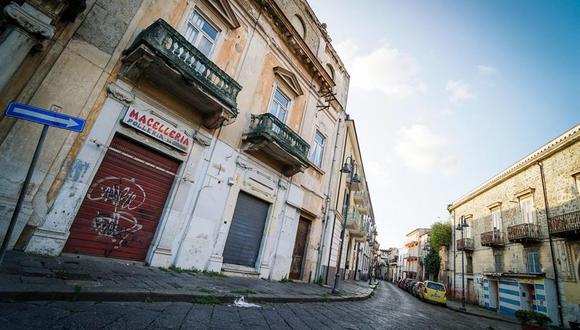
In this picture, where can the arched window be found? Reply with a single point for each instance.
(298, 24)
(330, 70)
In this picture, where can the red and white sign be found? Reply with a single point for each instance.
(164, 131)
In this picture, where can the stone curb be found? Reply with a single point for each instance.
(152, 296)
(481, 315)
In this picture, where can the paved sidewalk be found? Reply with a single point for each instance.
(480, 311)
(29, 277)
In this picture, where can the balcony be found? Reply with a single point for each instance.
(465, 244)
(162, 58)
(359, 197)
(494, 238)
(523, 233)
(270, 135)
(354, 224)
(565, 225)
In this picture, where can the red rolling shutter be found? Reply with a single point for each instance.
(120, 213)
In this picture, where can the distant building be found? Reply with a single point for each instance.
(413, 248)
(506, 249)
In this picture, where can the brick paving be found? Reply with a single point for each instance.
(389, 308)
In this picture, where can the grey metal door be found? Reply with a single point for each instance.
(245, 235)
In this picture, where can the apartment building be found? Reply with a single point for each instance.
(521, 246)
(215, 136)
(351, 217)
(412, 266)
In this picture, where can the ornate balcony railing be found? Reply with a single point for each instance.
(524, 232)
(565, 225)
(492, 238)
(354, 223)
(267, 129)
(193, 68)
(465, 244)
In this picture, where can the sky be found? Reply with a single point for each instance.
(446, 93)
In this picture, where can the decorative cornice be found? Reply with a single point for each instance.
(494, 205)
(30, 19)
(296, 43)
(569, 137)
(289, 78)
(223, 9)
(525, 192)
(120, 94)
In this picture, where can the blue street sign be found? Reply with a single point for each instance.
(41, 116)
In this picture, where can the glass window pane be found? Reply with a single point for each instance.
(210, 30)
(283, 100)
(190, 33)
(204, 46)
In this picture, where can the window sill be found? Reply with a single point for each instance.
(317, 169)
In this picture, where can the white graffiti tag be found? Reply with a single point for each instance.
(118, 226)
(124, 195)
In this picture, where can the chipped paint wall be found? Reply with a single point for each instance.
(75, 74)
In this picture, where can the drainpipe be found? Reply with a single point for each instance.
(547, 209)
(454, 252)
(325, 214)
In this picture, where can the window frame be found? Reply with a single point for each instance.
(536, 262)
(273, 100)
(496, 211)
(200, 33)
(527, 216)
(321, 147)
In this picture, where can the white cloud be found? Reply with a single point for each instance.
(486, 70)
(385, 69)
(424, 151)
(459, 91)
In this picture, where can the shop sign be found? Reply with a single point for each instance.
(153, 125)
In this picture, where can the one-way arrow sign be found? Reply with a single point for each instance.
(45, 117)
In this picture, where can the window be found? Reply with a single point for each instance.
(534, 262)
(469, 266)
(498, 259)
(527, 208)
(298, 24)
(200, 33)
(279, 105)
(496, 218)
(330, 71)
(577, 179)
(317, 151)
(435, 286)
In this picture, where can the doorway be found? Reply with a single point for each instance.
(298, 255)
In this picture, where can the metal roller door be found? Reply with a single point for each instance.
(246, 231)
(120, 213)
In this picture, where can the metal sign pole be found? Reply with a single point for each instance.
(22, 194)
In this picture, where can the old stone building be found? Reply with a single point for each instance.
(509, 260)
(214, 134)
(350, 216)
(412, 266)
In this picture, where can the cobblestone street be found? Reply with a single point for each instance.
(390, 308)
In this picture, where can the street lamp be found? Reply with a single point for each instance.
(349, 167)
(461, 226)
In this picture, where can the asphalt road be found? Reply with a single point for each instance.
(390, 308)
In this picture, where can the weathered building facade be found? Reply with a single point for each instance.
(214, 134)
(412, 266)
(509, 259)
(350, 211)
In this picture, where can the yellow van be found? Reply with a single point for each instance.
(433, 292)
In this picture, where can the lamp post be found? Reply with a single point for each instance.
(461, 226)
(349, 167)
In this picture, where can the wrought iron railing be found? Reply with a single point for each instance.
(465, 244)
(492, 238)
(181, 55)
(524, 231)
(568, 222)
(267, 124)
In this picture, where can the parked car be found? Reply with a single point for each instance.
(417, 288)
(409, 285)
(433, 292)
